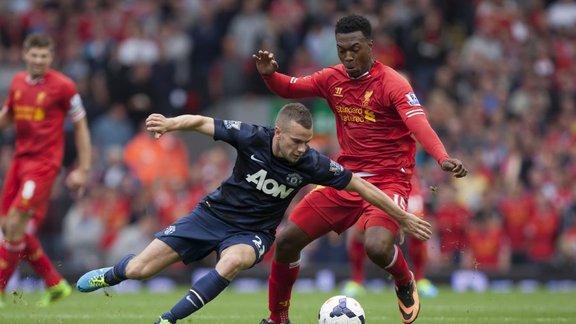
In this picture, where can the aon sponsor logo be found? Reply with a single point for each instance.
(268, 186)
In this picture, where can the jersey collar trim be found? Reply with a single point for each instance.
(31, 81)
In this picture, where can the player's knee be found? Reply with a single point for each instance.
(13, 228)
(230, 265)
(379, 248)
(290, 242)
(239, 262)
(288, 249)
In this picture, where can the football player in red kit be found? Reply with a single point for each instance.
(38, 103)
(377, 115)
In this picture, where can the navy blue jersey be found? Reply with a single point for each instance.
(261, 186)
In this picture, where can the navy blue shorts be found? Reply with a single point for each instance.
(196, 235)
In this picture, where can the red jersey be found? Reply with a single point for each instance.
(39, 108)
(486, 245)
(376, 115)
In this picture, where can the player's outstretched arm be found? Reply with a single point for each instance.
(409, 223)
(283, 85)
(425, 135)
(159, 124)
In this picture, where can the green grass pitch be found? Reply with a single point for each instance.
(250, 308)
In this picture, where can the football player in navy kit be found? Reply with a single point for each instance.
(239, 219)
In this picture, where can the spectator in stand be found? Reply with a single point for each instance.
(112, 129)
(451, 223)
(147, 158)
(487, 248)
(516, 208)
(542, 230)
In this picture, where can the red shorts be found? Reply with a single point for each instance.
(326, 209)
(27, 188)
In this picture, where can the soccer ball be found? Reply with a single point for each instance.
(341, 310)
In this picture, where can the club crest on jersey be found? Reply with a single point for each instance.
(335, 167)
(40, 97)
(412, 99)
(232, 124)
(169, 230)
(367, 96)
(294, 179)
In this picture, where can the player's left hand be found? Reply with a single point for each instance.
(416, 227)
(76, 181)
(455, 166)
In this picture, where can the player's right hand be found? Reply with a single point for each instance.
(416, 227)
(157, 124)
(265, 62)
(455, 166)
(76, 181)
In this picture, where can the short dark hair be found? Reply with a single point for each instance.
(41, 40)
(296, 112)
(353, 23)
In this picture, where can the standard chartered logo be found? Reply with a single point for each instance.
(355, 114)
(268, 186)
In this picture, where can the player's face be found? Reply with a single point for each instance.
(291, 141)
(355, 52)
(38, 60)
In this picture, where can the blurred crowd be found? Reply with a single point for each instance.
(498, 79)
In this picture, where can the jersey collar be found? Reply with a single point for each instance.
(365, 74)
(40, 80)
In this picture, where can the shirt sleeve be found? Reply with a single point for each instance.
(414, 116)
(292, 87)
(233, 132)
(330, 173)
(73, 102)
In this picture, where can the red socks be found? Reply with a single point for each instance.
(398, 268)
(34, 254)
(9, 260)
(280, 283)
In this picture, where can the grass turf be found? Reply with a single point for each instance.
(233, 307)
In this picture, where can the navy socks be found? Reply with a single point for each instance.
(203, 291)
(118, 272)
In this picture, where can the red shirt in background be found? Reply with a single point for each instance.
(39, 109)
(486, 242)
(452, 223)
(516, 210)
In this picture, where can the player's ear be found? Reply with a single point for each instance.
(277, 130)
